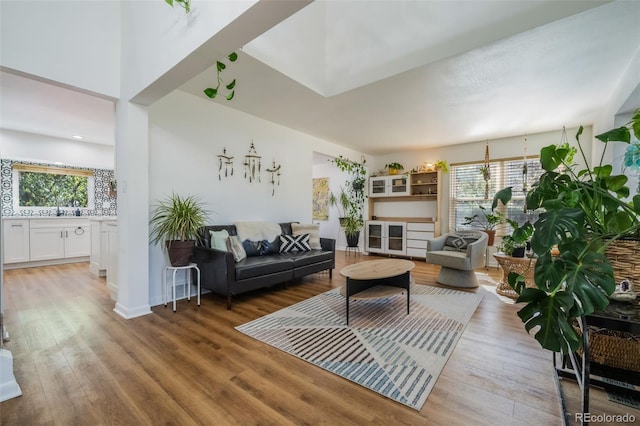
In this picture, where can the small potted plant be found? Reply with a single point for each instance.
(176, 220)
(394, 168)
(342, 202)
(516, 243)
(442, 165)
(487, 220)
(352, 226)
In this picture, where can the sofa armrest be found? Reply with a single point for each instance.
(436, 244)
(217, 268)
(328, 244)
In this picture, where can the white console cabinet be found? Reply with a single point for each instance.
(389, 186)
(417, 235)
(386, 237)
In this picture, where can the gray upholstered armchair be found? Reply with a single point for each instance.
(459, 254)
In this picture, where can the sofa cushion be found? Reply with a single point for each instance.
(262, 265)
(294, 243)
(312, 229)
(258, 231)
(460, 241)
(270, 247)
(303, 258)
(252, 248)
(235, 247)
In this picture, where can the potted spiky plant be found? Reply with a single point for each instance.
(176, 221)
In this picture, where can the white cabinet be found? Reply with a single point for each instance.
(112, 258)
(99, 247)
(15, 235)
(389, 186)
(417, 235)
(386, 237)
(59, 239)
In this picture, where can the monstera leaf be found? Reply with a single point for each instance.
(548, 312)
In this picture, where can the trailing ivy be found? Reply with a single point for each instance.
(220, 67)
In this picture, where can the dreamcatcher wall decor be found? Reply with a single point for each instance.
(252, 164)
(275, 177)
(227, 162)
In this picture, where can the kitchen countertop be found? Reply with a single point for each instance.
(98, 218)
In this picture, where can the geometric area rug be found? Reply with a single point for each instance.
(383, 349)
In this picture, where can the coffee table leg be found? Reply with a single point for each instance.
(347, 300)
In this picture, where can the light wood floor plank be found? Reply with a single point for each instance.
(80, 363)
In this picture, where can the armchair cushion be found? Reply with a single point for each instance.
(460, 241)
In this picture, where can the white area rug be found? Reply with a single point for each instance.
(397, 355)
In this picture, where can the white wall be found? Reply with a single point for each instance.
(71, 42)
(158, 38)
(44, 149)
(187, 134)
(511, 147)
(330, 228)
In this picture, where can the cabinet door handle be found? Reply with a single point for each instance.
(61, 234)
(16, 226)
(66, 234)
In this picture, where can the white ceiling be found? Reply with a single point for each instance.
(32, 106)
(387, 76)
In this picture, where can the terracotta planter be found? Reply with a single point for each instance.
(393, 171)
(180, 252)
(492, 236)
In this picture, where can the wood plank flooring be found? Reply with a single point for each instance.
(78, 362)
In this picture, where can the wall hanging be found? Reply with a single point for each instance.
(252, 164)
(275, 177)
(225, 161)
(485, 170)
(525, 173)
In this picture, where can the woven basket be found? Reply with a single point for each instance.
(624, 256)
(614, 348)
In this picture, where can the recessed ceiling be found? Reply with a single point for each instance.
(483, 73)
(389, 76)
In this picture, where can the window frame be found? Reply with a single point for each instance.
(502, 175)
(33, 168)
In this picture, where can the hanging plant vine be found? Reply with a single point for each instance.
(186, 4)
(220, 67)
(485, 170)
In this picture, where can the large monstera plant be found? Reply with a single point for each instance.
(584, 210)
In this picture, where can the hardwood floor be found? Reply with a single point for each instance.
(78, 362)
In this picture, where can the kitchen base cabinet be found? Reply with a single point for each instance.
(15, 236)
(45, 241)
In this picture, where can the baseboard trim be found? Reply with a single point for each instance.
(127, 313)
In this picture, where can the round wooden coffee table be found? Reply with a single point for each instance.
(375, 279)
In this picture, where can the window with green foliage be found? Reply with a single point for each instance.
(51, 187)
(468, 186)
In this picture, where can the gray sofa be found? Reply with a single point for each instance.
(221, 274)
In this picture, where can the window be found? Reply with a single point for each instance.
(41, 186)
(468, 189)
